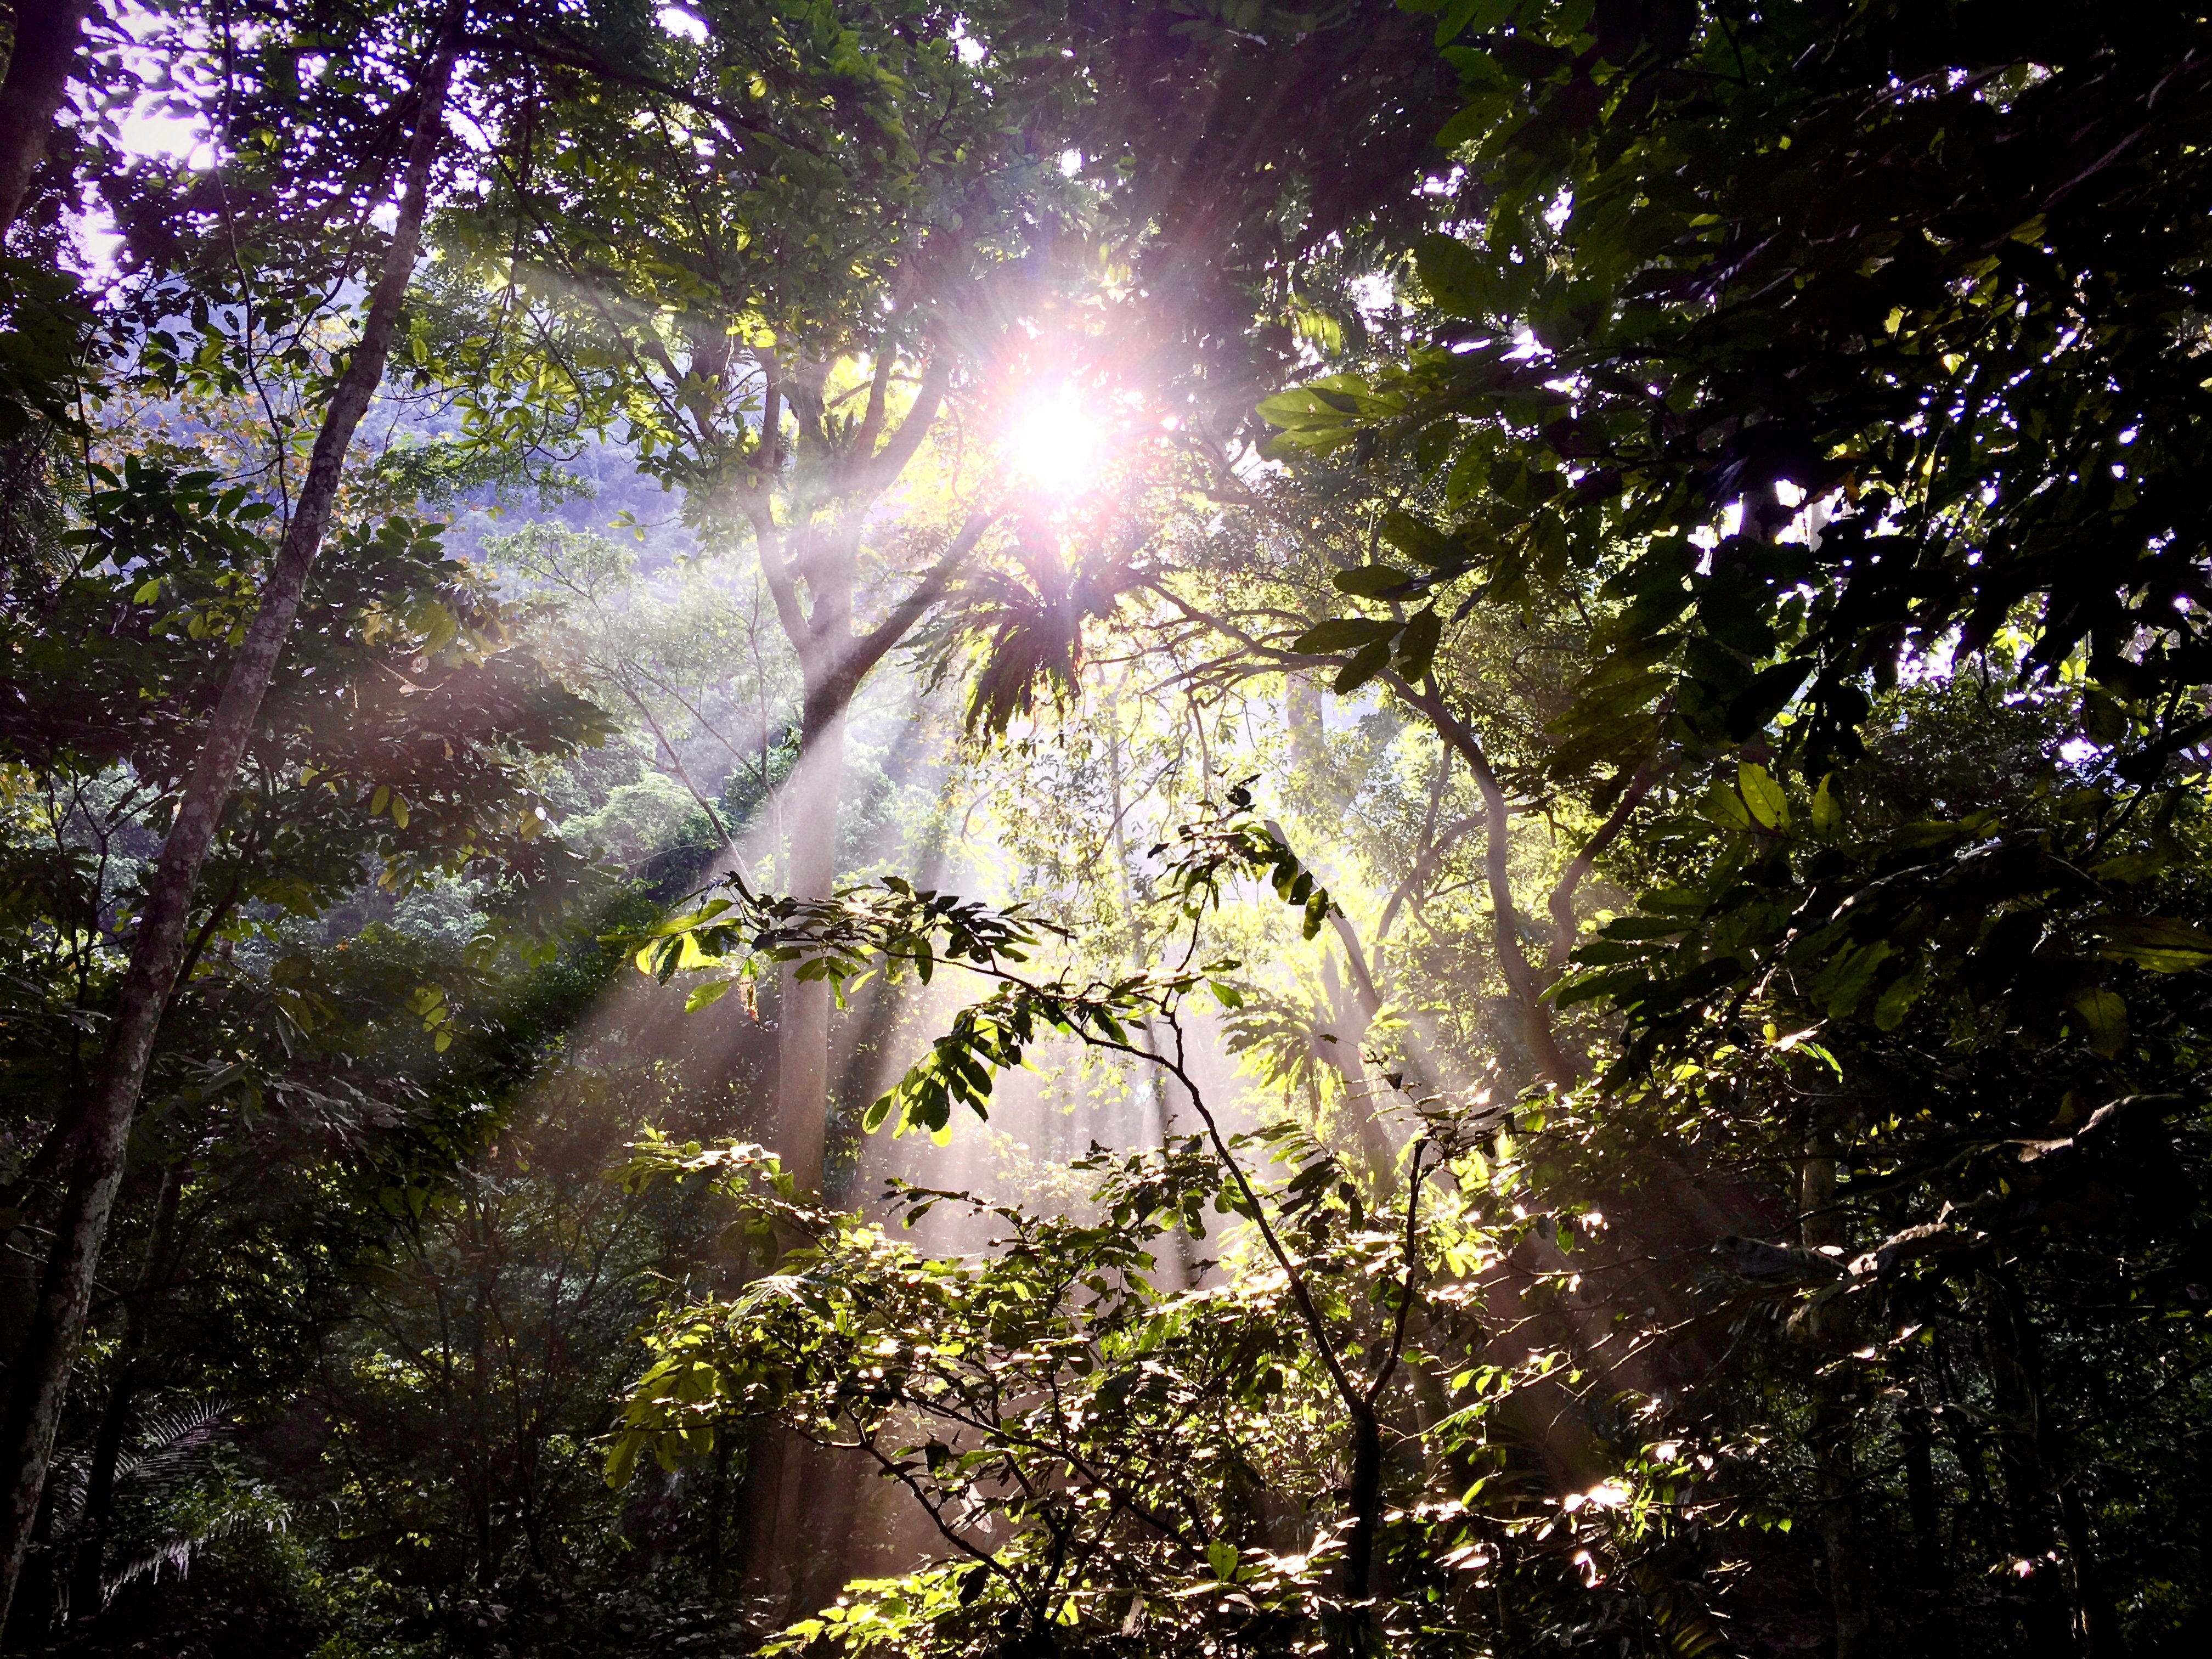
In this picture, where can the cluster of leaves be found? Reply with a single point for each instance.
(1114, 1465)
(1970, 245)
(1045, 1392)
(1202, 1469)
(891, 926)
(1835, 368)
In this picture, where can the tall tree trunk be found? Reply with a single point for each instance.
(1922, 1499)
(833, 662)
(1157, 1082)
(796, 1483)
(1364, 1502)
(1820, 1225)
(2030, 1449)
(814, 791)
(41, 1369)
(1352, 1009)
(47, 35)
(85, 1573)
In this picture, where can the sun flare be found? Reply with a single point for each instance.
(1053, 442)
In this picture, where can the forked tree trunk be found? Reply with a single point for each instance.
(47, 35)
(834, 662)
(40, 1368)
(1524, 986)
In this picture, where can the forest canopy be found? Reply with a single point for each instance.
(1148, 828)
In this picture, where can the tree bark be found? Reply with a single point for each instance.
(1157, 1083)
(1349, 1028)
(1364, 1503)
(2030, 1450)
(85, 1572)
(41, 1367)
(1564, 927)
(48, 33)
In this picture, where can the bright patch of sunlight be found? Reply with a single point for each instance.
(1054, 443)
(153, 133)
(677, 20)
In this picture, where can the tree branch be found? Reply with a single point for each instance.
(1562, 895)
(870, 648)
(1552, 1064)
(878, 470)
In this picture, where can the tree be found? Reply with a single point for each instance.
(752, 294)
(1081, 1405)
(1702, 1148)
(753, 290)
(158, 952)
(1761, 341)
(401, 745)
(41, 59)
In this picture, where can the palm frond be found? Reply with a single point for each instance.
(218, 1515)
(1024, 640)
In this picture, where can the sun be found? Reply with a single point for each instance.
(1053, 442)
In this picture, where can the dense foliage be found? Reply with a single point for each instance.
(1159, 827)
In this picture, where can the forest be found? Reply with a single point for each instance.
(1105, 829)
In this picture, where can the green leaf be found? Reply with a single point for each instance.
(2105, 1015)
(1891, 1007)
(1480, 15)
(1304, 408)
(1371, 581)
(1342, 634)
(1417, 646)
(1456, 276)
(2127, 868)
(1417, 539)
(1848, 976)
(1587, 987)
(1724, 806)
(1636, 926)
(1369, 662)
(622, 1460)
(706, 996)
(1827, 811)
(2162, 944)
(1769, 807)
